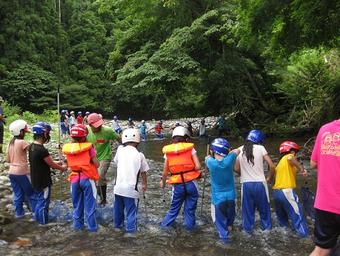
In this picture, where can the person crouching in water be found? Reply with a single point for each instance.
(82, 160)
(19, 170)
(130, 164)
(254, 188)
(223, 195)
(182, 162)
(41, 163)
(286, 200)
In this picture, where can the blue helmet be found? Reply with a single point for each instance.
(63, 111)
(87, 113)
(41, 128)
(256, 136)
(79, 113)
(220, 146)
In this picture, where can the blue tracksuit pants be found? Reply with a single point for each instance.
(223, 216)
(43, 202)
(287, 206)
(130, 205)
(23, 193)
(84, 195)
(255, 196)
(180, 194)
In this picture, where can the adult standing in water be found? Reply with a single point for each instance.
(101, 137)
(2, 122)
(254, 186)
(326, 158)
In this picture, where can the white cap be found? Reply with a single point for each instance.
(130, 135)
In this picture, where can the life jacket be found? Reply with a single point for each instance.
(181, 164)
(158, 128)
(79, 159)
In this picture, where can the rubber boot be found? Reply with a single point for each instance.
(103, 192)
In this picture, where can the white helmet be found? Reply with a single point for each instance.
(16, 126)
(130, 135)
(180, 131)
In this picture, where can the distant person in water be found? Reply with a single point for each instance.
(220, 125)
(202, 129)
(116, 126)
(190, 129)
(181, 162)
(159, 129)
(287, 205)
(85, 121)
(131, 124)
(254, 189)
(41, 163)
(326, 158)
(64, 124)
(80, 119)
(143, 130)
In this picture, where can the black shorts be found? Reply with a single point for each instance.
(327, 229)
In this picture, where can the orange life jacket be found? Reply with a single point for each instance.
(79, 159)
(181, 164)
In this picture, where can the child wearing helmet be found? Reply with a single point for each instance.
(18, 168)
(80, 119)
(41, 163)
(181, 161)
(116, 126)
(64, 124)
(85, 121)
(130, 123)
(287, 204)
(250, 163)
(143, 130)
(158, 130)
(71, 120)
(130, 164)
(221, 165)
(82, 160)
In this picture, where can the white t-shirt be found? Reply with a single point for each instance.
(250, 172)
(129, 163)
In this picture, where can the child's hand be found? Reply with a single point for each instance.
(161, 183)
(304, 173)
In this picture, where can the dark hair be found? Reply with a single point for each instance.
(289, 152)
(131, 143)
(248, 151)
(177, 139)
(80, 139)
(46, 138)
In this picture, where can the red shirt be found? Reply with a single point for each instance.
(80, 119)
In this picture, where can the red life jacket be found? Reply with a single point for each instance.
(181, 164)
(79, 159)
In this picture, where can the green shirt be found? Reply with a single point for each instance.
(102, 142)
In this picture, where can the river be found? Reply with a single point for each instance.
(58, 238)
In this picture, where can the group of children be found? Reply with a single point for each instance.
(181, 170)
(69, 119)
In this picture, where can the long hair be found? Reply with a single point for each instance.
(248, 151)
(177, 139)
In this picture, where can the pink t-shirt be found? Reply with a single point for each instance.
(326, 154)
(17, 157)
(82, 175)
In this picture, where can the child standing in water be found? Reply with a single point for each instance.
(130, 164)
(223, 195)
(286, 200)
(40, 163)
(82, 160)
(254, 190)
(182, 162)
(18, 168)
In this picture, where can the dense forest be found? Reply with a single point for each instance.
(273, 63)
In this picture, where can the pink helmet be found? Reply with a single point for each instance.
(286, 146)
(79, 131)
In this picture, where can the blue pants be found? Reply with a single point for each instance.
(84, 200)
(180, 194)
(144, 135)
(255, 196)
(43, 202)
(287, 206)
(131, 207)
(23, 193)
(223, 216)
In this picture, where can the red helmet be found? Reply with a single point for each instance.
(79, 131)
(287, 146)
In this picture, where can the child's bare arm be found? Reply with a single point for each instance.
(196, 162)
(54, 165)
(144, 181)
(295, 162)
(237, 166)
(165, 173)
(271, 168)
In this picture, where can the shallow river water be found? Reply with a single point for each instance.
(58, 238)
